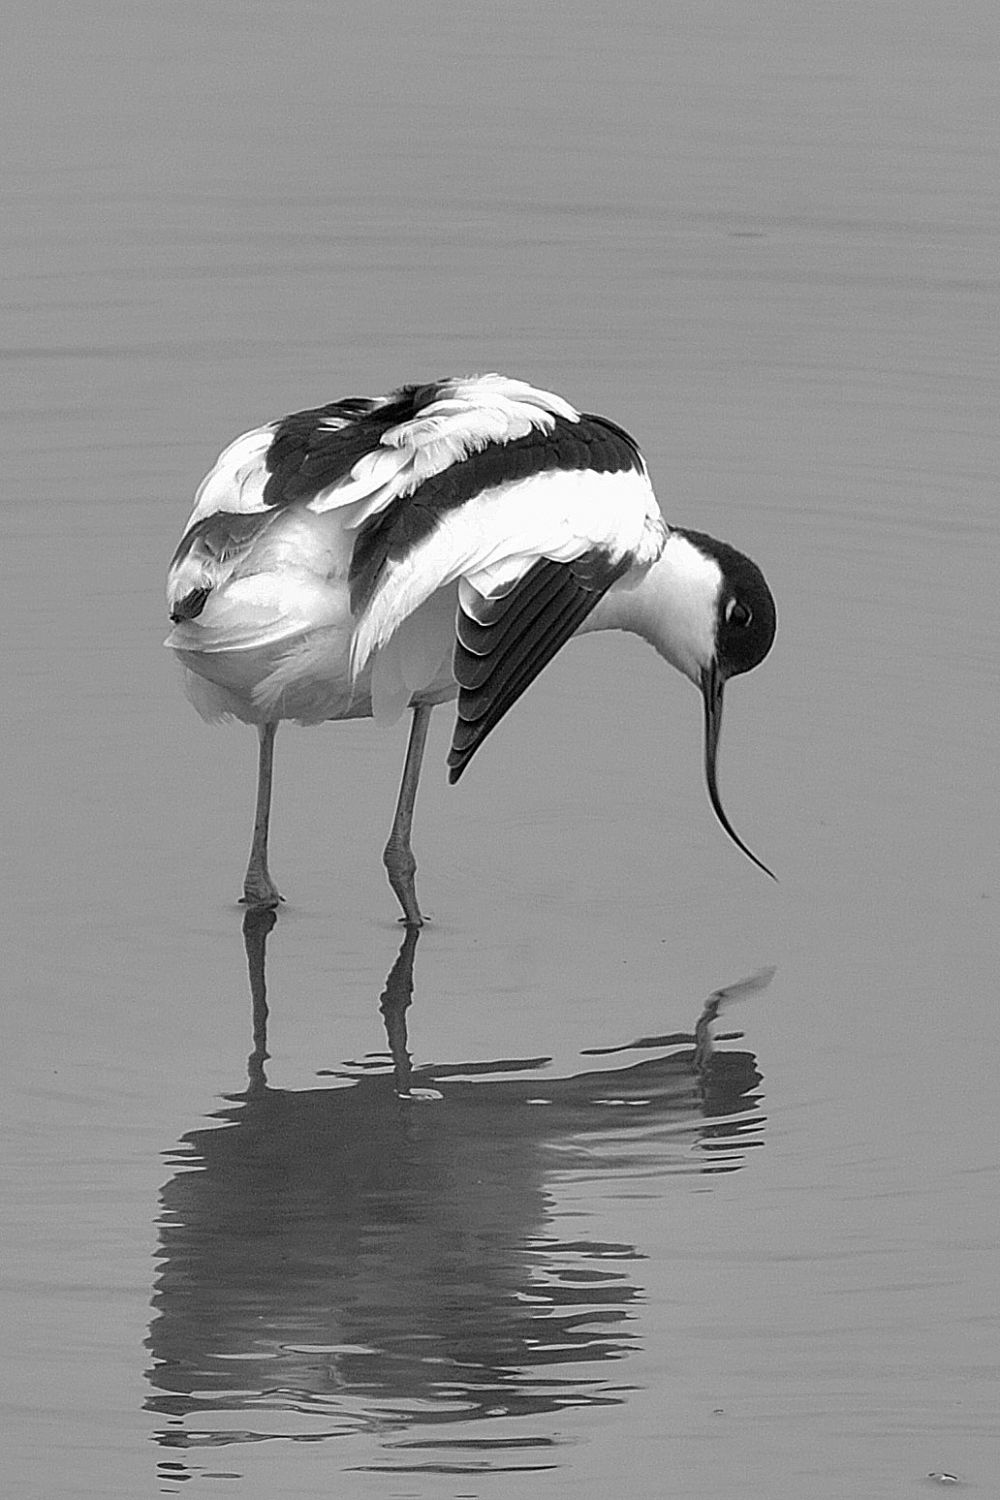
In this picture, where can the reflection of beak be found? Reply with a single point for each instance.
(712, 684)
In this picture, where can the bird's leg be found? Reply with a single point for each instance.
(398, 856)
(258, 887)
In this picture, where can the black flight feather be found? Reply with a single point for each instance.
(497, 659)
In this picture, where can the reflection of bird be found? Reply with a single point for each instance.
(444, 540)
(388, 1251)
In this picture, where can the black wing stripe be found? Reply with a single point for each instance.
(615, 437)
(568, 447)
(492, 678)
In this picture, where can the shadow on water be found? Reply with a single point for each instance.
(384, 1252)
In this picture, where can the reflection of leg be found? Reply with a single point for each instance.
(398, 856)
(394, 1004)
(720, 1000)
(258, 887)
(257, 923)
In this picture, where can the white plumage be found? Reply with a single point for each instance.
(397, 551)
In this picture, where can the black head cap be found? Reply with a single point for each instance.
(747, 618)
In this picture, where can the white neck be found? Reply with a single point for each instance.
(672, 605)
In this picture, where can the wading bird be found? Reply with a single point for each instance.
(442, 541)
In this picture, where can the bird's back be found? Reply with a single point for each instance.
(331, 544)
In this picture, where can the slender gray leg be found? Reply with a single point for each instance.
(258, 887)
(398, 856)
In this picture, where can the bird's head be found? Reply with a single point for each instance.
(714, 618)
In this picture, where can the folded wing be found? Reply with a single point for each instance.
(504, 641)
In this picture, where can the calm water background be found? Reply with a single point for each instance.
(765, 238)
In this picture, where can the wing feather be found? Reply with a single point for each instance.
(498, 657)
(483, 625)
(494, 537)
(208, 555)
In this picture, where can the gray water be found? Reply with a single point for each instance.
(609, 1243)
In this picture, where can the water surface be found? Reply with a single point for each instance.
(599, 1234)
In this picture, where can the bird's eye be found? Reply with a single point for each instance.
(737, 613)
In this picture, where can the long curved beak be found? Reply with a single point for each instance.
(712, 685)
